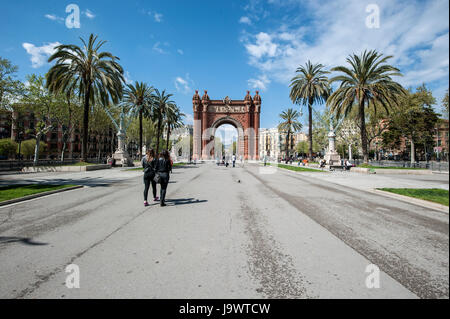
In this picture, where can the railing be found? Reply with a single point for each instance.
(434, 166)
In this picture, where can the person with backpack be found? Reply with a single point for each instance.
(162, 176)
(149, 165)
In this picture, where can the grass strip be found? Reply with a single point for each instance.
(435, 195)
(296, 168)
(18, 191)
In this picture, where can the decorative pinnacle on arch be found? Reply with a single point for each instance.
(248, 97)
(196, 96)
(257, 97)
(205, 96)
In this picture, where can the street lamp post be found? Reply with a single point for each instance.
(19, 139)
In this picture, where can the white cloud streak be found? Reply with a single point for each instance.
(415, 32)
(183, 85)
(39, 55)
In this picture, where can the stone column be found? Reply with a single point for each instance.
(257, 113)
(205, 137)
(197, 134)
(247, 133)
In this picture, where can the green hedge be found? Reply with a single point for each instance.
(8, 147)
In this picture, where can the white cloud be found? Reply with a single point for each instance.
(54, 17)
(128, 79)
(181, 52)
(158, 17)
(39, 55)
(415, 32)
(263, 46)
(245, 20)
(157, 47)
(259, 83)
(89, 14)
(183, 85)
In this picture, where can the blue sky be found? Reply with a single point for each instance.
(228, 47)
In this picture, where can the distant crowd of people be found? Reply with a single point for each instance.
(225, 160)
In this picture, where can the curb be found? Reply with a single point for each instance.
(412, 200)
(29, 197)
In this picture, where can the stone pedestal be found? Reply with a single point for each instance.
(123, 158)
(121, 155)
(332, 157)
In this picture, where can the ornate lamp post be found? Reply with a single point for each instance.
(124, 122)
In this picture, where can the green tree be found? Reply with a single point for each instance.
(29, 148)
(174, 120)
(10, 88)
(414, 120)
(139, 95)
(96, 75)
(308, 87)
(161, 104)
(445, 105)
(289, 124)
(302, 147)
(8, 148)
(367, 84)
(41, 103)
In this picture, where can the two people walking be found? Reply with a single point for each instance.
(157, 170)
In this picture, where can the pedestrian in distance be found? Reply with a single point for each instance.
(233, 158)
(149, 165)
(162, 176)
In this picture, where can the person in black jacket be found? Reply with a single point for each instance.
(163, 170)
(149, 163)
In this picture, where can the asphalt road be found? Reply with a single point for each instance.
(226, 233)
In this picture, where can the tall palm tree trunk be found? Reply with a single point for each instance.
(84, 155)
(168, 136)
(140, 133)
(310, 137)
(287, 144)
(363, 132)
(158, 134)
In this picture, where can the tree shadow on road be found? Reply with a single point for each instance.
(86, 181)
(184, 201)
(26, 241)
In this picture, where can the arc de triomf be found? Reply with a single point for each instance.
(244, 115)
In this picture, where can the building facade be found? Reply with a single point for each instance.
(21, 127)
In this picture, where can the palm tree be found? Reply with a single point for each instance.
(161, 104)
(308, 87)
(367, 83)
(97, 76)
(173, 121)
(139, 95)
(289, 124)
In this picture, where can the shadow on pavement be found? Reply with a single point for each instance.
(184, 201)
(87, 181)
(26, 241)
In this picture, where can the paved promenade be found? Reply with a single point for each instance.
(246, 232)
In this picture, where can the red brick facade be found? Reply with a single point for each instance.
(209, 114)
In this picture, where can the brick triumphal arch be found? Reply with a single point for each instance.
(209, 114)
